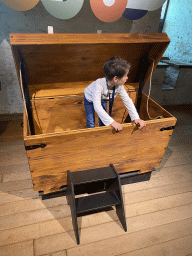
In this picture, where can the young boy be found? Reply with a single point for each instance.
(98, 93)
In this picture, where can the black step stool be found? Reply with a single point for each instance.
(106, 186)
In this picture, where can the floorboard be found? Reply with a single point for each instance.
(158, 212)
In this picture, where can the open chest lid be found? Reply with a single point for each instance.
(66, 63)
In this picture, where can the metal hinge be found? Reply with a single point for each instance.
(167, 128)
(41, 145)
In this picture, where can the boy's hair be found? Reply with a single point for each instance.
(115, 66)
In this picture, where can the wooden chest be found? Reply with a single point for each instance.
(53, 70)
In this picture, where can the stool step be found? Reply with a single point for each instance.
(107, 181)
(95, 202)
(93, 175)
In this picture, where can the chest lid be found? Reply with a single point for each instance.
(67, 63)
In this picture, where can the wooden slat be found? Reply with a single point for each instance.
(19, 249)
(10, 168)
(13, 158)
(12, 186)
(138, 241)
(61, 253)
(158, 213)
(61, 229)
(17, 39)
(114, 230)
(131, 209)
(43, 91)
(65, 114)
(183, 169)
(180, 184)
(60, 152)
(80, 57)
(27, 205)
(17, 195)
(15, 176)
(176, 247)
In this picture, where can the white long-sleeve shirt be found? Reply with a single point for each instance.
(98, 91)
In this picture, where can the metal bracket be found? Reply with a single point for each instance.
(167, 128)
(41, 145)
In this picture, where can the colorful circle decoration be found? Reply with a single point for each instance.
(20, 5)
(136, 9)
(108, 10)
(63, 9)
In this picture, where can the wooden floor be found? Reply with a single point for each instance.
(158, 212)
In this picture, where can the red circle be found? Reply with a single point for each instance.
(108, 13)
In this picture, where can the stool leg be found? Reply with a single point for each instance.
(119, 208)
(121, 215)
(71, 202)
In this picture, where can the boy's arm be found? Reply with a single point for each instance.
(131, 107)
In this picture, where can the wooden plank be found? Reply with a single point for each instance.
(175, 154)
(65, 114)
(32, 217)
(20, 191)
(39, 38)
(53, 161)
(61, 211)
(175, 161)
(75, 63)
(54, 229)
(58, 212)
(157, 183)
(12, 186)
(154, 110)
(135, 241)
(162, 189)
(179, 147)
(17, 195)
(57, 115)
(28, 205)
(13, 149)
(15, 158)
(182, 139)
(155, 205)
(79, 54)
(60, 224)
(177, 247)
(13, 132)
(158, 192)
(183, 169)
(19, 167)
(25, 125)
(61, 253)
(18, 235)
(19, 249)
(114, 230)
(55, 90)
(15, 176)
(11, 155)
(11, 143)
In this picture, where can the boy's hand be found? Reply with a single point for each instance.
(140, 122)
(117, 126)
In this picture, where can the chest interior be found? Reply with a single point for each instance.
(53, 71)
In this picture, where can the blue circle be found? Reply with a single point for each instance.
(134, 14)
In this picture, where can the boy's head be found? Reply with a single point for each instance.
(115, 66)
